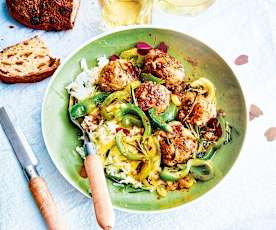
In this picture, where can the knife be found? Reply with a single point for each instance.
(29, 162)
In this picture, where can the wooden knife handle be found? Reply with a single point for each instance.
(101, 199)
(46, 204)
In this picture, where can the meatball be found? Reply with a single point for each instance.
(165, 67)
(177, 147)
(151, 95)
(196, 109)
(116, 75)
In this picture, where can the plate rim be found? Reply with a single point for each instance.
(125, 28)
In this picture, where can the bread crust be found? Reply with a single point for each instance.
(32, 77)
(46, 14)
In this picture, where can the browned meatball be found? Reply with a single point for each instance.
(151, 95)
(116, 75)
(177, 147)
(196, 109)
(165, 67)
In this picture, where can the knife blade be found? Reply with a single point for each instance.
(28, 162)
(21, 148)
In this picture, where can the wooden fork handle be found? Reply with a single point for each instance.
(46, 204)
(101, 199)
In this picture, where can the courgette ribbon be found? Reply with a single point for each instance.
(118, 95)
(133, 56)
(121, 145)
(135, 110)
(160, 119)
(122, 95)
(207, 85)
(153, 157)
(150, 77)
(149, 157)
(170, 113)
(87, 105)
(173, 174)
(129, 120)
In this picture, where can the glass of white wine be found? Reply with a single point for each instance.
(181, 7)
(126, 12)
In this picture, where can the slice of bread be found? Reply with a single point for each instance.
(26, 62)
(44, 14)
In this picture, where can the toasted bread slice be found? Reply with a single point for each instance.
(44, 14)
(26, 62)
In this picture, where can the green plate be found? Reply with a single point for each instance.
(61, 137)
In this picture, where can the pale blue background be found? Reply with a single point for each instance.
(246, 199)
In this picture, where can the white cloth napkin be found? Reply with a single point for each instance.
(246, 199)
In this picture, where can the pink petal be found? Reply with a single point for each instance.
(254, 112)
(241, 60)
(143, 48)
(270, 134)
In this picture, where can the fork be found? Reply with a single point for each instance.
(94, 169)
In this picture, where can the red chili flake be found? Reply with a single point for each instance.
(83, 173)
(241, 60)
(143, 48)
(163, 47)
(125, 131)
(177, 128)
(270, 134)
(114, 57)
(254, 112)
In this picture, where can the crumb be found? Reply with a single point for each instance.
(11, 26)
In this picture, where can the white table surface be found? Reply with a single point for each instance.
(246, 199)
